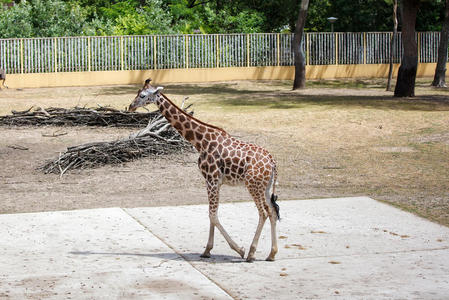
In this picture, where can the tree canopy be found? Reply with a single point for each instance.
(38, 18)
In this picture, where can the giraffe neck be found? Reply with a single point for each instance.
(197, 133)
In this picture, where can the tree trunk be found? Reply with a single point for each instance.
(440, 70)
(393, 42)
(405, 84)
(300, 60)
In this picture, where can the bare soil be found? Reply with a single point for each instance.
(333, 139)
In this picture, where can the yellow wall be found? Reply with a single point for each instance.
(204, 75)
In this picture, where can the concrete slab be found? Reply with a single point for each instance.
(92, 254)
(352, 248)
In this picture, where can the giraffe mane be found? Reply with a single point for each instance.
(192, 117)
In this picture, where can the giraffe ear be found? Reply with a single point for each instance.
(158, 89)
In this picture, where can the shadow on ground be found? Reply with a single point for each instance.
(293, 100)
(168, 256)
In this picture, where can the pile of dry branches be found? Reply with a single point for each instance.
(77, 116)
(157, 139)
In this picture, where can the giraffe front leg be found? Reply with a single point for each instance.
(232, 244)
(210, 241)
(213, 193)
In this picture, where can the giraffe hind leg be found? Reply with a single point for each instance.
(257, 192)
(274, 244)
(274, 215)
(252, 249)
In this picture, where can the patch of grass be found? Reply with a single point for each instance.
(346, 83)
(298, 101)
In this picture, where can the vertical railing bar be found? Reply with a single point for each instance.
(56, 53)
(88, 54)
(335, 36)
(21, 56)
(217, 50)
(364, 48)
(154, 52)
(122, 62)
(419, 46)
(70, 59)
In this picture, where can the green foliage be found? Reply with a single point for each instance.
(430, 16)
(210, 18)
(317, 16)
(244, 21)
(16, 22)
(366, 15)
(42, 18)
(34, 18)
(128, 18)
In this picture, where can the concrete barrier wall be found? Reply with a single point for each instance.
(37, 80)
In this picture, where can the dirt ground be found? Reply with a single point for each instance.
(335, 138)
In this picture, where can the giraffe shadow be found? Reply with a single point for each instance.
(191, 257)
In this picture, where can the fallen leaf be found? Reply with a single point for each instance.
(300, 247)
(318, 231)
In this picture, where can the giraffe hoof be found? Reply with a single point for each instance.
(269, 258)
(205, 255)
(250, 259)
(242, 252)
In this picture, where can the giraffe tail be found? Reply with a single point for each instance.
(273, 198)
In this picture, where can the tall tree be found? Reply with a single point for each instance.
(300, 60)
(440, 70)
(393, 42)
(405, 84)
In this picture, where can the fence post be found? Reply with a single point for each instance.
(307, 48)
(336, 48)
(247, 51)
(122, 62)
(55, 41)
(279, 50)
(88, 53)
(154, 52)
(217, 46)
(21, 56)
(364, 48)
(187, 51)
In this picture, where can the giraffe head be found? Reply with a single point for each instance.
(146, 95)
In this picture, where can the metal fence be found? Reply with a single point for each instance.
(112, 53)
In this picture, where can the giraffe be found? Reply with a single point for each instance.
(3, 77)
(223, 159)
